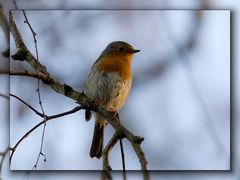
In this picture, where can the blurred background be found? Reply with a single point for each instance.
(180, 100)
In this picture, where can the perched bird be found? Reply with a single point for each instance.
(108, 85)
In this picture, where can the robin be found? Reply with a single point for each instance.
(108, 84)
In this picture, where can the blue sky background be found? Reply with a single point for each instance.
(164, 106)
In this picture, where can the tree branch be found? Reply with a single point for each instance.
(46, 118)
(122, 155)
(39, 75)
(5, 27)
(4, 96)
(38, 91)
(28, 105)
(24, 54)
(107, 150)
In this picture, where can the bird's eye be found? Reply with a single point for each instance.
(120, 49)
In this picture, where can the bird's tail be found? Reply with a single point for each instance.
(97, 141)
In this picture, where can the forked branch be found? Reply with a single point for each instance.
(23, 54)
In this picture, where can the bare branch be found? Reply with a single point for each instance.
(52, 116)
(41, 146)
(32, 31)
(5, 27)
(107, 149)
(81, 98)
(16, 34)
(4, 96)
(38, 91)
(46, 118)
(39, 75)
(122, 155)
(78, 108)
(28, 105)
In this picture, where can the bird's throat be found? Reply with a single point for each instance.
(120, 65)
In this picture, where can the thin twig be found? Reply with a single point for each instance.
(4, 96)
(122, 155)
(81, 98)
(47, 118)
(39, 124)
(107, 149)
(38, 92)
(33, 33)
(106, 166)
(52, 116)
(44, 127)
(123, 160)
(28, 105)
(41, 147)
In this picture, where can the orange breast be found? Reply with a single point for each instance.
(119, 64)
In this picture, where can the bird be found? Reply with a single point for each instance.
(108, 85)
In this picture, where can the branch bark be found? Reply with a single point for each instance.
(39, 75)
(5, 27)
(23, 54)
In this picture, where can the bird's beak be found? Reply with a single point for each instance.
(135, 51)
